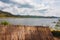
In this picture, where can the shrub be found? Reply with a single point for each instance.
(4, 23)
(56, 33)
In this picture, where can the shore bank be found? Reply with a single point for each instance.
(21, 32)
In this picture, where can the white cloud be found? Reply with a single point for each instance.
(50, 5)
(22, 1)
(2, 4)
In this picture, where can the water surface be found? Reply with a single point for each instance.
(31, 21)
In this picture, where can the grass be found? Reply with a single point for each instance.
(4, 23)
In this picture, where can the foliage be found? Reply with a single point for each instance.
(7, 14)
(56, 33)
(57, 26)
(4, 23)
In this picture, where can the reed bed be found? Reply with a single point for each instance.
(22, 32)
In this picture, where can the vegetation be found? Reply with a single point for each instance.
(57, 26)
(7, 14)
(4, 23)
(56, 33)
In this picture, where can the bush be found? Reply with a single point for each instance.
(4, 23)
(56, 33)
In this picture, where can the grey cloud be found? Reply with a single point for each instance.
(6, 1)
(25, 6)
(43, 11)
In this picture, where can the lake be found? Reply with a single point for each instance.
(31, 21)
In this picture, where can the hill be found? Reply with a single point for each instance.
(7, 14)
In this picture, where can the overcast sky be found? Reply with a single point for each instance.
(31, 7)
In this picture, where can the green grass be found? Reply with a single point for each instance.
(4, 23)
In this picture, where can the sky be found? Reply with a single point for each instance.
(31, 7)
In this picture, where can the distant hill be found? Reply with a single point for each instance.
(7, 14)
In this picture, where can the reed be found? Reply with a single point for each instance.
(22, 32)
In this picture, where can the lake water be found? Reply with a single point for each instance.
(31, 21)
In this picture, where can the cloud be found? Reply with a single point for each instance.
(4, 5)
(5, 1)
(31, 7)
(25, 6)
(43, 11)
